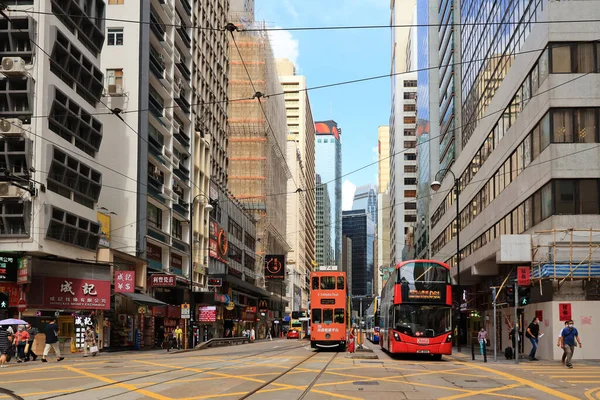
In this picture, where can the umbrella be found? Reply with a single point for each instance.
(13, 321)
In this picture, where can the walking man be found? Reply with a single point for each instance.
(51, 332)
(178, 336)
(30, 354)
(564, 356)
(533, 333)
(569, 336)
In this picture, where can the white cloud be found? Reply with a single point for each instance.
(291, 10)
(348, 190)
(284, 45)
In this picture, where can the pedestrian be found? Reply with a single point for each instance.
(89, 344)
(569, 336)
(351, 340)
(51, 332)
(252, 334)
(482, 338)
(559, 343)
(5, 345)
(533, 334)
(20, 341)
(178, 336)
(269, 335)
(29, 354)
(514, 333)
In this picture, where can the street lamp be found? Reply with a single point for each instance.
(435, 186)
(208, 207)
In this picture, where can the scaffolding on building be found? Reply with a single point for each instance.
(257, 133)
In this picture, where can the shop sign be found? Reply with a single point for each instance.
(162, 280)
(212, 248)
(215, 282)
(523, 276)
(124, 281)
(173, 312)
(274, 266)
(251, 310)
(142, 309)
(263, 306)
(564, 310)
(24, 271)
(207, 314)
(222, 244)
(80, 294)
(176, 262)
(12, 291)
(213, 230)
(230, 306)
(104, 221)
(8, 268)
(159, 311)
(153, 252)
(213, 192)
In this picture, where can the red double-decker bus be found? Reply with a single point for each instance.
(416, 309)
(328, 309)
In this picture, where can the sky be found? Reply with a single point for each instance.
(326, 57)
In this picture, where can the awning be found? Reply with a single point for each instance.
(144, 299)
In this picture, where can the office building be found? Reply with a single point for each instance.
(383, 153)
(324, 245)
(360, 228)
(365, 198)
(528, 168)
(301, 205)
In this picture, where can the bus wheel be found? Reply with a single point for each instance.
(437, 357)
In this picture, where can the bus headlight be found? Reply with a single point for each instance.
(449, 338)
(396, 336)
(327, 336)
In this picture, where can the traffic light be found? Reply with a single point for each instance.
(3, 301)
(524, 295)
(510, 296)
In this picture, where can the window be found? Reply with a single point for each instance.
(327, 283)
(410, 218)
(585, 125)
(409, 132)
(564, 196)
(176, 228)
(588, 197)
(340, 283)
(410, 168)
(410, 206)
(410, 144)
(249, 241)
(411, 83)
(315, 283)
(72, 229)
(584, 61)
(234, 253)
(114, 81)
(410, 120)
(339, 316)
(410, 181)
(561, 58)
(114, 37)
(316, 314)
(74, 180)
(410, 193)
(154, 216)
(115, 2)
(410, 157)
(562, 121)
(410, 95)
(328, 316)
(14, 217)
(410, 107)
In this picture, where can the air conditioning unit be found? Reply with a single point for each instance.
(13, 66)
(8, 190)
(11, 127)
(114, 90)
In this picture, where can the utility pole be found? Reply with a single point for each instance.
(495, 327)
(517, 327)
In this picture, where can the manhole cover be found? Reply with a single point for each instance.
(366, 383)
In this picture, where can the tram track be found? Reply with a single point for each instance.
(277, 351)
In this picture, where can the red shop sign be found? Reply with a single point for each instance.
(124, 281)
(12, 289)
(564, 311)
(162, 280)
(523, 276)
(79, 294)
(207, 314)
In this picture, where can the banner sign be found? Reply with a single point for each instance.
(274, 266)
(124, 281)
(24, 270)
(215, 282)
(523, 276)
(424, 294)
(12, 291)
(162, 280)
(8, 268)
(80, 294)
(564, 311)
(207, 314)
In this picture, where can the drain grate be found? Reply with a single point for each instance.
(470, 380)
(364, 383)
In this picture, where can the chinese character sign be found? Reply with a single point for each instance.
(523, 276)
(564, 311)
(78, 294)
(162, 280)
(8, 268)
(124, 281)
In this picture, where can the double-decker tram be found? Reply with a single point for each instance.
(372, 320)
(328, 309)
(416, 309)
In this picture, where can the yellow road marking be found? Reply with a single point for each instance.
(40, 379)
(210, 396)
(341, 396)
(21, 371)
(478, 392)
(42, 393)
(126, 386)
(134, 373)
(589, 393)
(527, 382)
(582, 381)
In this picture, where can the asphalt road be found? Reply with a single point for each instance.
(288, 369)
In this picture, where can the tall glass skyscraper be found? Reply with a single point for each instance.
(359, 227)
(323, 219)
(329, 166)
(365, 198)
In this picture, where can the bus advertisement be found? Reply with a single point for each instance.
(416, 309)
(372, 320)
(328, 312)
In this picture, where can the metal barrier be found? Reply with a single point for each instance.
(215, 342)
(473, 350)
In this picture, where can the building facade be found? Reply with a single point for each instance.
(324, 246)
(365, 198)
(383, 152)
(301, 205)
(528, 167)
(360, 228)
(329, 166)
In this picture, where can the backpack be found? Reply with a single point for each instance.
(508, 353)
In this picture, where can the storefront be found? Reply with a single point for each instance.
(15, 271)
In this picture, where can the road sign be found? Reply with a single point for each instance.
(523, 276)
(185, 311)
(22, 306)
(215, 282)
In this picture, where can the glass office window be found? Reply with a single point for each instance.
(562, 125)
(561, 58)
(584, 62)
(588, 197)
(585, 124)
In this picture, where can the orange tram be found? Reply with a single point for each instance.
(416, 309)
(328, 310)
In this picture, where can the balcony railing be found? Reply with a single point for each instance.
(182, 138)
(181, 175)
(187, 7)
(185, 37)
(180, 245)
(187, 74)
(183, 104)
(157, 234)
(155, 148)
(180, 209)
(156, 27)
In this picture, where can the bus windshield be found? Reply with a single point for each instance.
(421, 273)
(422, 321)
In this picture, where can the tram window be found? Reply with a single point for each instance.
(315, 283)
(328, 283)
(316, 315)
(339, 315)
(340, 283)
(327, 316)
